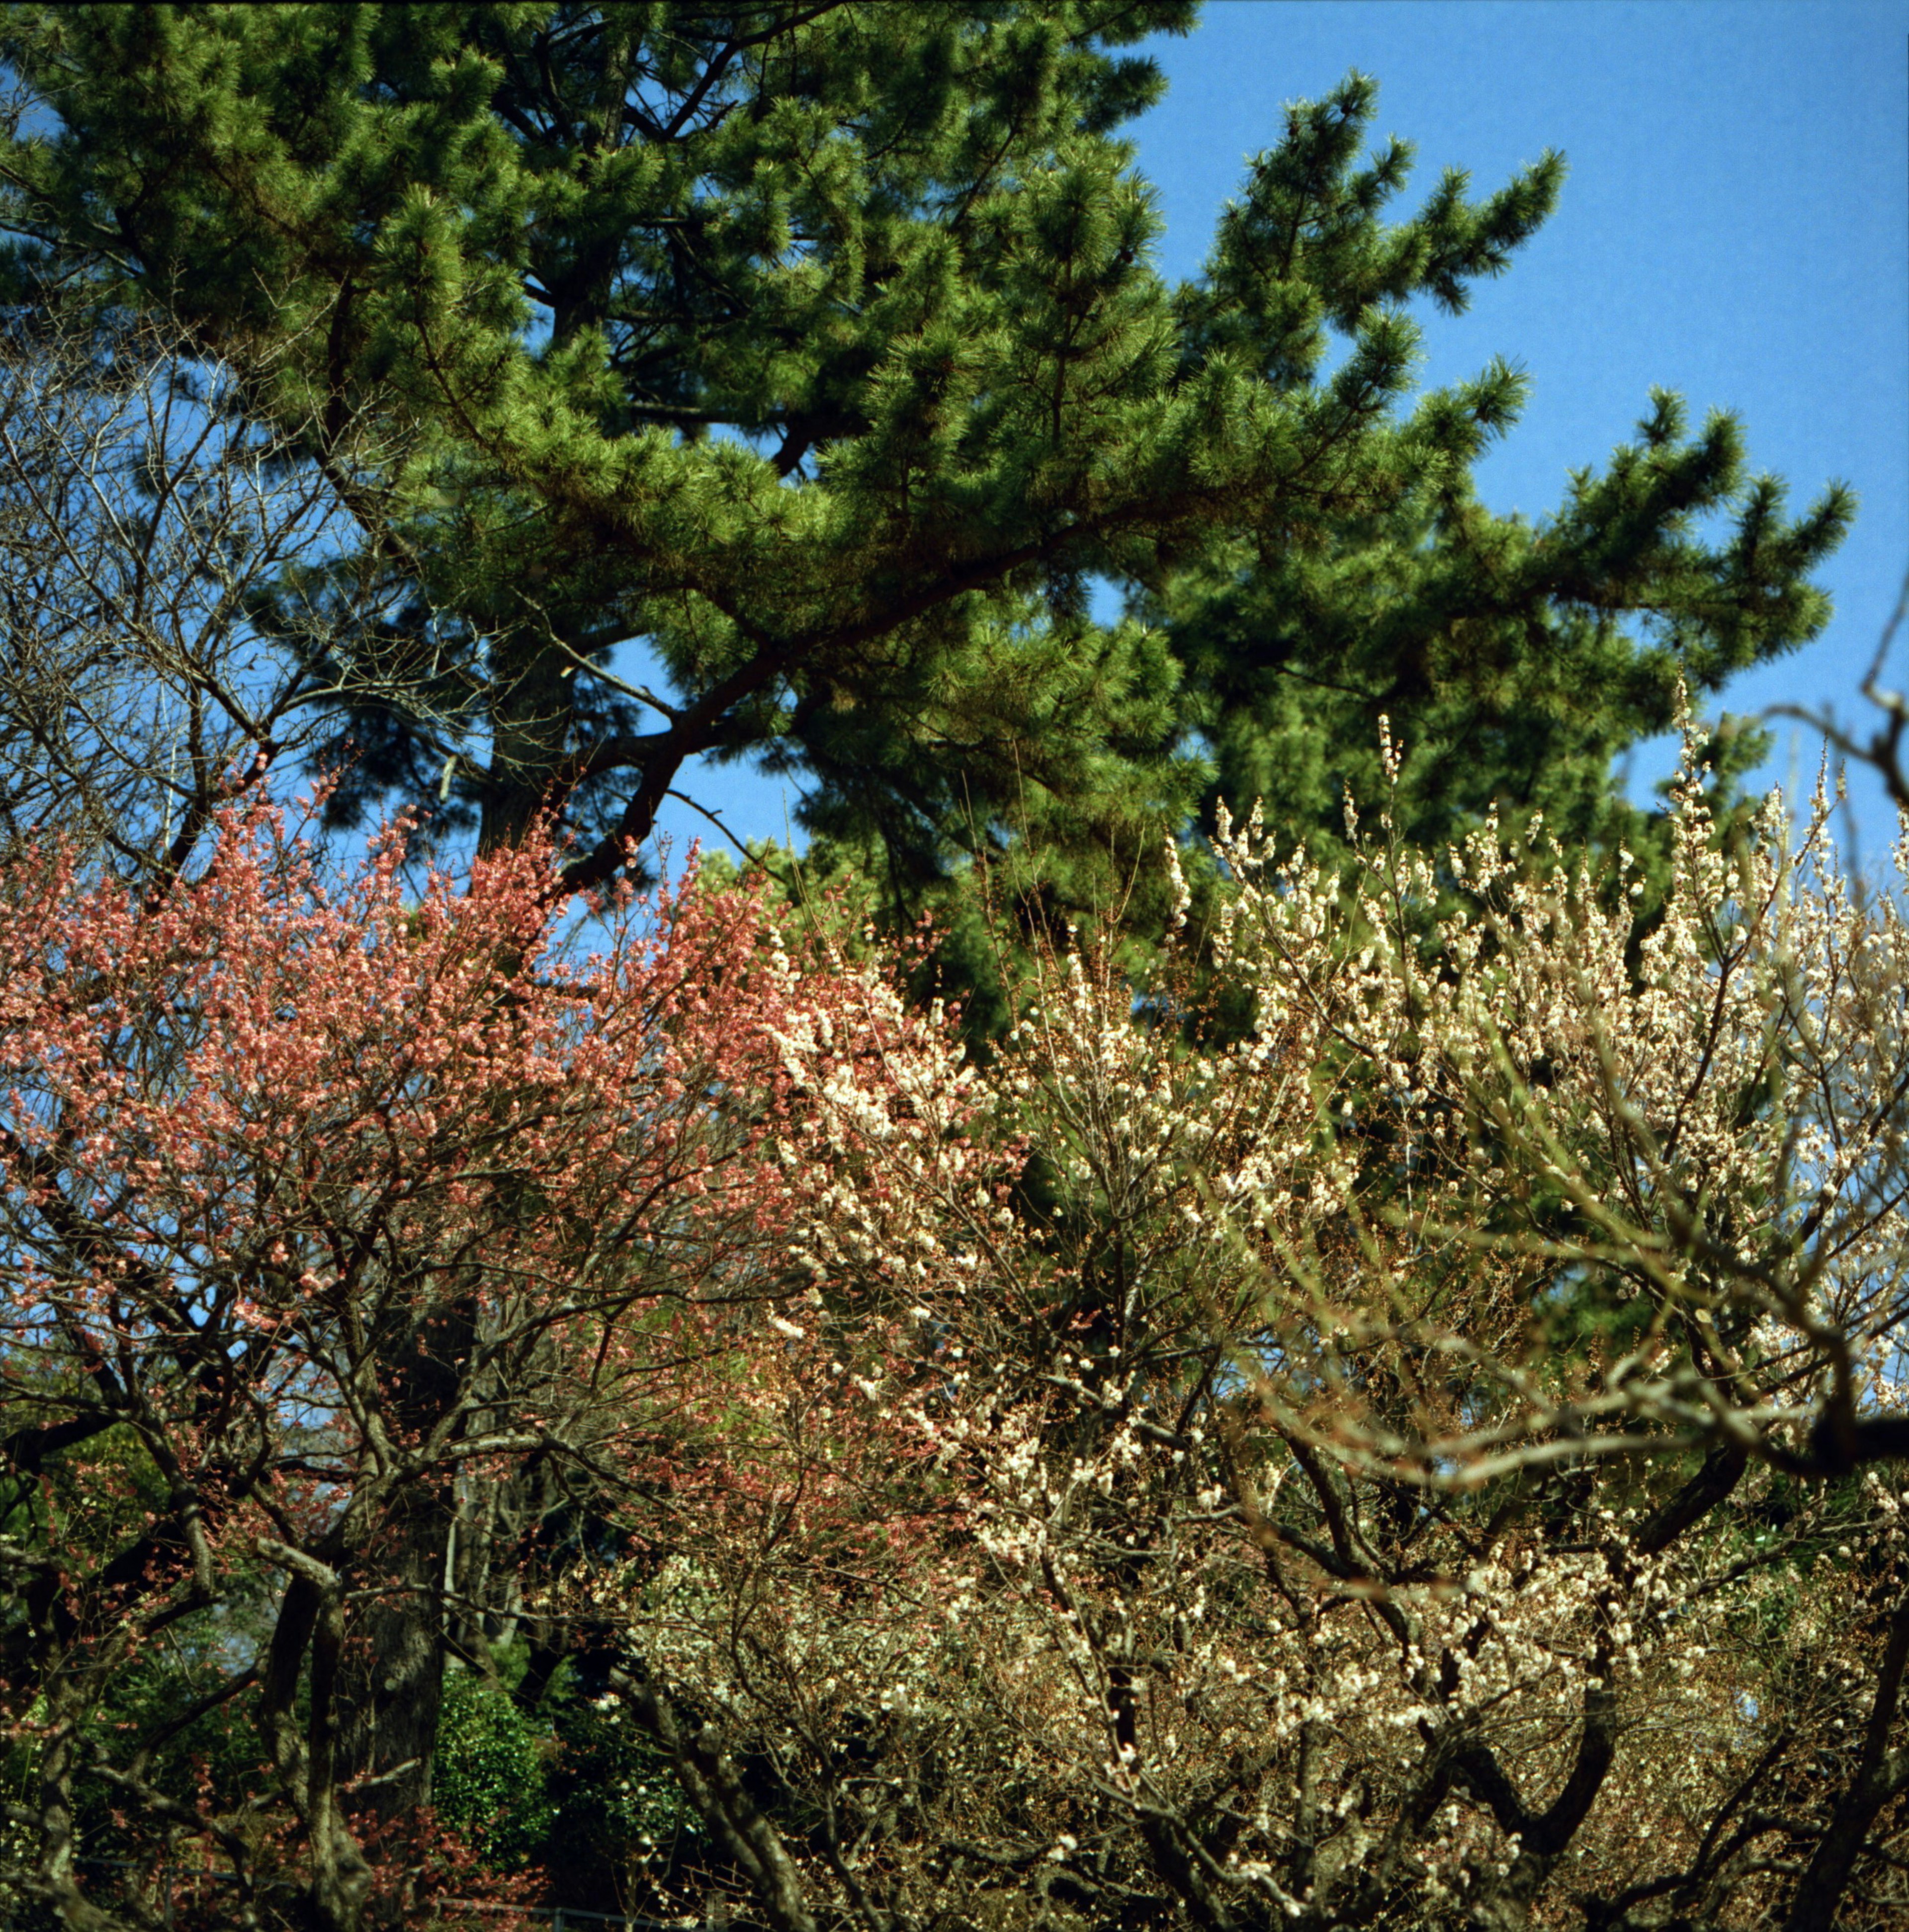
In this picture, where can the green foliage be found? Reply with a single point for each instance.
(569, 1787)
(492, 1771)
(1514, 660)
(1494, 647)
(620, 1812)
(822, 348)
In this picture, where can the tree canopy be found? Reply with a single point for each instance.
(820, 347)
(1304, 1430)
(1430, 1462)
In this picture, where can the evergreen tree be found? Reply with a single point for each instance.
(1514, 661)
(821, 346)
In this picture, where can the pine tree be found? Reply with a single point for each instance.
(821, 346)
(1514, 661)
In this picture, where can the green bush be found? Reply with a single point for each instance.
(493, 1770)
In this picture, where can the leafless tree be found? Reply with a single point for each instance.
(173, 582)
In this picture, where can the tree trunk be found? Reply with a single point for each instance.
(391, 1681)
(391, 1676)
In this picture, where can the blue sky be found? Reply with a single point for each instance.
(1735, 227)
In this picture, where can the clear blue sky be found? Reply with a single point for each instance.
(1735, 227)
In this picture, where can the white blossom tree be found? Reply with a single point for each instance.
(1428, 1458)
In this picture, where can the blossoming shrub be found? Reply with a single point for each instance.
(349, 1239)
(1428, 1457)
(1429, 1461)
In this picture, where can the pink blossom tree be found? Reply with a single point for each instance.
(348, 1238)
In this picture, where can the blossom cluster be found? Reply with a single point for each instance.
(1379, 1464)
(1390, 1423)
